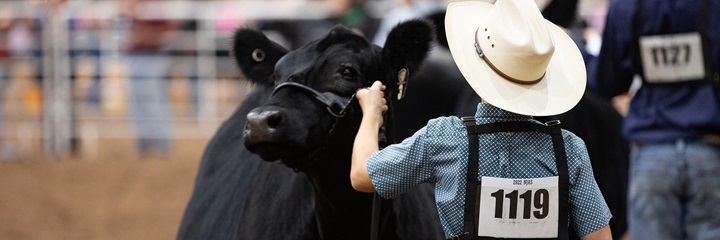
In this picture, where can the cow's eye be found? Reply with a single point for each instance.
(348, 73)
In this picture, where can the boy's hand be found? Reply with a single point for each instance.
(372, 101)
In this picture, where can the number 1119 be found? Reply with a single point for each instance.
(541, 202)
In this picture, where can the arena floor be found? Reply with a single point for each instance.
(113, 195)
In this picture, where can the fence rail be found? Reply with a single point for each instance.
(54, 60)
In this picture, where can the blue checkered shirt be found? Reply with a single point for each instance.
(438, 154)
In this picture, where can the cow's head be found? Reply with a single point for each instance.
(314, 86)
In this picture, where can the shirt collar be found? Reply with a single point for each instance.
(487, 113)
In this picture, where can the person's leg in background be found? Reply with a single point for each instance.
(5, 151)
(657, 182)
(703, 191)
(150, 112)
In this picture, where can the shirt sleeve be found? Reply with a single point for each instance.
(588, 209)
(400, 167)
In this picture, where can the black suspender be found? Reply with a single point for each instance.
(471, 186)
(710, 75)
(563, 175)
(636, 27)
(471, 190)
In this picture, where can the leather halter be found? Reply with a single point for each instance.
(335, 104)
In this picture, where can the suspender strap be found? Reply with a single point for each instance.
(563, 179)
(636, 25)
(469, 219)
(471, 189)
(375, 217)
(386, 137)
(512, 127)
(712, 76)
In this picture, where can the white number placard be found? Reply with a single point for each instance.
(672, 58)
(518, 208)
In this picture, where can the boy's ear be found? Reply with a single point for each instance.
(406, 48)
(256, 55)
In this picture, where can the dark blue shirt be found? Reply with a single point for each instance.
(658, 112)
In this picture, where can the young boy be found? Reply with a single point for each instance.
(499, 174)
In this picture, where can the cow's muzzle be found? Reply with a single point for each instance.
(262, 123)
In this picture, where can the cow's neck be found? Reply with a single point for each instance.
(341, 211)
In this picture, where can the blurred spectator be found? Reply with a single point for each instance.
(404, 10)
(674, 117)
(85, 53)
(352, 14)
(299, 32)
(150, 33)
(595, 121)
(6, 22)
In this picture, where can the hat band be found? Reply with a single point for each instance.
(496, 70)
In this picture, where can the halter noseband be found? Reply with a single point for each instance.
(335, 105)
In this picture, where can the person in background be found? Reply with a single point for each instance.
(150, 33)
(86, 28)
(404, 10)
(7, 19)
(351, 13)
(501, 147)
(673, 119)
(595, 121)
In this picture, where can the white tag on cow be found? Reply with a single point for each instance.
(519, 208)
(672, 58)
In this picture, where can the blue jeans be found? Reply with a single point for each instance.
(675, 191)
(150, 111)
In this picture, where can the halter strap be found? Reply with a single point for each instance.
(334, 104)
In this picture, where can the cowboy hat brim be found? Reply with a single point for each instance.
(560, 89)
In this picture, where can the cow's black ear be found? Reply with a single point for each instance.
(406, 48)
(256, 55)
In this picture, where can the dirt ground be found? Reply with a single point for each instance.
(114, 195)
(106, 190)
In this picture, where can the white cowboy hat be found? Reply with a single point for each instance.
(522, 63)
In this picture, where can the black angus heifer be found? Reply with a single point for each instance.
(303, 113)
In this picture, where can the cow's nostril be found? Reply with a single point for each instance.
(274, 120)
(262, 124)
(264, 119)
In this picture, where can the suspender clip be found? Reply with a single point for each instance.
(468, 119)
(552, 123)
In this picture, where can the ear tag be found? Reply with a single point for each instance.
(258, 55)
(402, 83)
